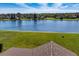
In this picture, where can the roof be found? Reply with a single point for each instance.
(48, 49)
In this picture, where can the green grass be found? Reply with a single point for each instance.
(46, 19)
(62, 19)
(33, 39)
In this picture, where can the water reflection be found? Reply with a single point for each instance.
(35, 24)
(19, 23)
(13, 23)
(35, 21)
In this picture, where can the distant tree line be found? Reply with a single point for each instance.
(19, 16)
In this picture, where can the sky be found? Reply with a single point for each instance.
(39, 7)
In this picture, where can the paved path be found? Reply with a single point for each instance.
(48, 49)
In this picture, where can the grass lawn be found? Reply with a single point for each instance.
(70, 19)
(33, 39)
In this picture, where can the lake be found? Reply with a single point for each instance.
(40, 25)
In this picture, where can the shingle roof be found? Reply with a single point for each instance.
(48, 49)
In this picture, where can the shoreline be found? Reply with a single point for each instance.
(54, 19)
(41, 31)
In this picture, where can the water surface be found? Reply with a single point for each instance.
(40, 25)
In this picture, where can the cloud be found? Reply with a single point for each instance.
(74, 6)
(23, 5)
(44, 8)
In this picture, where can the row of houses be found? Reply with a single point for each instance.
(39, 16)
(62, 15)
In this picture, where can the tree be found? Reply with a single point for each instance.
(18, 16)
